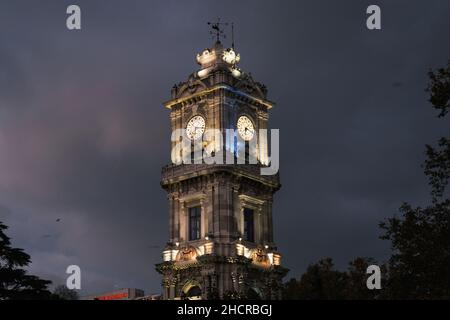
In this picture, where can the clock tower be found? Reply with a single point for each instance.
(220, 214)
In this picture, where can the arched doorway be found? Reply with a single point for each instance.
(195, 291)
(192, 291)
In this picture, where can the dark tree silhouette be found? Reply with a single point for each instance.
(437, 168)
(437, 165)
(15, 283)
(356, 286)
(420, 240)
(420, 237)
(438, 88)
(64, 293)
(322, 281)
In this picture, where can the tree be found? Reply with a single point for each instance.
(64, 293)
(437, 165)
(320, 282)
(15, 283)
(437, 168)
(291, 290)
(420, 237)
(439, 89)
(356, 286)
(419, 265)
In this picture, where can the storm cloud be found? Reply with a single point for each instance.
(83, 133)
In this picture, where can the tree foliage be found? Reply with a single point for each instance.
(15, 283)
(420, 237)
(438, 89)
(437, 164)
(64, 293)
(420, 240)
(322, 281)
(437, 168)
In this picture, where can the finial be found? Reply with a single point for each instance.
(217, 30)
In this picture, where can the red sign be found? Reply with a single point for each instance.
(115, 296)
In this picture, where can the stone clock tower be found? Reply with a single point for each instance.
(220, 215)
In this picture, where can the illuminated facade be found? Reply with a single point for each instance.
(220, 215)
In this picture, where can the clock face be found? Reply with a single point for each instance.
(195, 127)
(245, 128)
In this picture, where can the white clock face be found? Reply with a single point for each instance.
(245, 128)
(195, 127)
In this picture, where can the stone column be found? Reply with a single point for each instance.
(216, 209)
(172, 289)
(229, 207)
(206, 286)
(170, 198)
(234, 279)
(269, 221)
(259, 225)
(263, 150)
(176, 217)
(237, 213)
(209, 210)
(204, 219)
(182, 221)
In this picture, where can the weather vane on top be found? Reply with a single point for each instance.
(217, 30)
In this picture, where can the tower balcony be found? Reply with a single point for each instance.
(177, 173)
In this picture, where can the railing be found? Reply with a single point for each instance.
(173, 171)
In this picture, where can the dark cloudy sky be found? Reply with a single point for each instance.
(83, 133)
